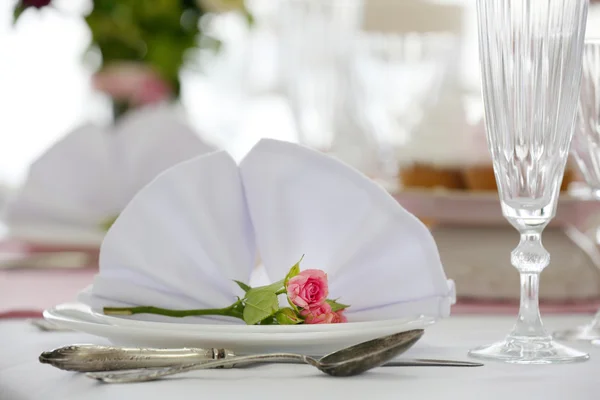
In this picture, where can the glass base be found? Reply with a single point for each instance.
(529, 351)
(585, 333)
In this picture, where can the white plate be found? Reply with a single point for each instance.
(242, 339)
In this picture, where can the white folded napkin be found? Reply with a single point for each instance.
(89, 176)
(184, 237)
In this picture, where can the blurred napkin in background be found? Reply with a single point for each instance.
(184, 238)
(77, 187)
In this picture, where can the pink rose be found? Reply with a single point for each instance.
(339, 317)
(308, 289)
(320, 314)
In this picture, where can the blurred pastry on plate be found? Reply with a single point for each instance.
(431, 176)
(480, 178)
(432, 156)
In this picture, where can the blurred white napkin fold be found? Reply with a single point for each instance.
(180, 241)
(93, 172)
(184, 237)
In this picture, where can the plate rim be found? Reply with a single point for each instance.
(56, 312)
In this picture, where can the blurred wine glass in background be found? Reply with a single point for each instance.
(397, 78)
(315, 48)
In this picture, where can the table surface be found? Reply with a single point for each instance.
(22, 377)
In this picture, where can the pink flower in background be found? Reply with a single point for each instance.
(133, 83)
(35, 3)
(320, 314)
(308, 289)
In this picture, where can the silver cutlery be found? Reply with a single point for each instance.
(94, 358)
(350, 361)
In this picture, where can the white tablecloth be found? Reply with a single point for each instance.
(22, 377)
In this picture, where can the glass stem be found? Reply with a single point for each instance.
(530, 258)
(529, 322)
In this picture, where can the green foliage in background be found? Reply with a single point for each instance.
(159, 33)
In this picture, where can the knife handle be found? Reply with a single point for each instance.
(93, 358)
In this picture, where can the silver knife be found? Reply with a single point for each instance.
(431, 363)
(94, 358)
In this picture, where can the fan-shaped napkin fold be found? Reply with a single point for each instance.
(379, 258)
(180, 242)
(88, 177)
(184, 238)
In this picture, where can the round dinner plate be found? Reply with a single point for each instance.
(242, 339)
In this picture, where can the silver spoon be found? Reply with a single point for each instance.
(95, 358)
(350, 361)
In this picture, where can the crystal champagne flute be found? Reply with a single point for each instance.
(586, 150)
(531, 56)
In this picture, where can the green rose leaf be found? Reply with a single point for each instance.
(269, 321)
(295, 270)
(237, 309)
(243, 286)
(260, 305)
(273, 288)
(335, 306)
(287, 316)
(18, 11)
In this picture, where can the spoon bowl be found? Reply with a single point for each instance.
(349, 361)
(364, 356)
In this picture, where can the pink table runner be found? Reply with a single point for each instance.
(26, 292)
